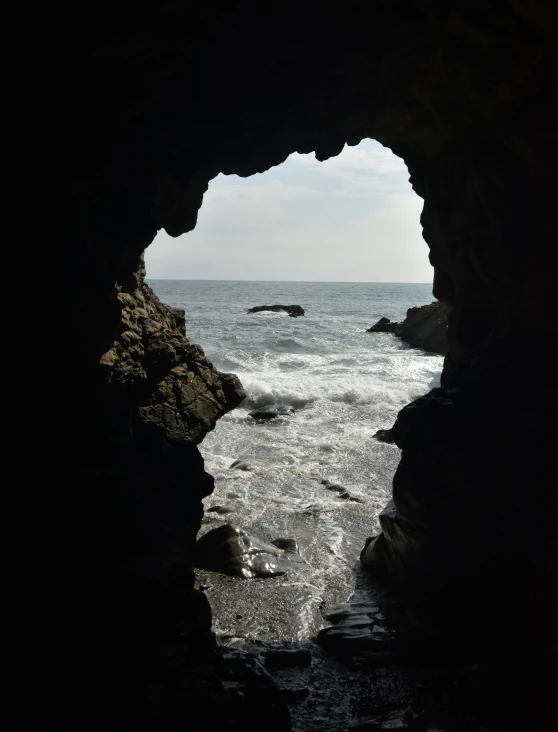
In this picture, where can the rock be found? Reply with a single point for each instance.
(341, 491)
(271, 411)
(398, 720)
(292, 696)
(288, 657)
(218, 509)
(384, 436)
(426, 327)
(231, 550)
(240, 464)
(358, 609)
(369, 725)
(290, 546)
(384, 325)
(358, 645)
(294, 311)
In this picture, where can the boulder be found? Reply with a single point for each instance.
(230, 550)
(271, 411)
(426, 327)
(384, 325)
(294, 311)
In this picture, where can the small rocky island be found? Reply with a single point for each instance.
(294, 311)
(424, 327)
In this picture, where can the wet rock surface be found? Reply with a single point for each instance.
(294, 311)
(326, 695)
(271, 411)
(231, 550)
(341, 491)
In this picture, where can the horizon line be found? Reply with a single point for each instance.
(334, 282)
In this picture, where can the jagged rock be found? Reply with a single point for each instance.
(231, 550)
(426, 327)
(164, 99)
(384, 325)
(294, 311)
(271, 411)
(384, 436)
(167, 382)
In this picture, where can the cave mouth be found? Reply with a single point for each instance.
(162, 101)
(315, 476)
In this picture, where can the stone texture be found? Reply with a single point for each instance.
(231, 550)
(152, 366)
(159, 101)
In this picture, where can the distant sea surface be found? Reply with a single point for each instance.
(344, 385)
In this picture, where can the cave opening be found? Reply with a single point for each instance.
(163, 100)
(299, 233)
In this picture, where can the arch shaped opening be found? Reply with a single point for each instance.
(311, 233)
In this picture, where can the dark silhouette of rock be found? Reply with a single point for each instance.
(288, 657)
(384, 436)
(271, 411)
(231, 550)
(294, 311)
(152, 105)
(426, 327)
(384, 325)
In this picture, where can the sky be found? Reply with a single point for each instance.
(352, 218)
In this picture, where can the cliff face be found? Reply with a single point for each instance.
(151, 367)
(163, 99)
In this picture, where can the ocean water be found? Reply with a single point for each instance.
(344, 385)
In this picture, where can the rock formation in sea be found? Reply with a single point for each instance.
(229, 549)
(294, 311)
(158, 102)
(384, 325)
(424, 327)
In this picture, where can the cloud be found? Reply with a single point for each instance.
(350, 218)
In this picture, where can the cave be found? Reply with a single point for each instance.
(163, 99)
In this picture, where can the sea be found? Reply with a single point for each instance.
(344, 384)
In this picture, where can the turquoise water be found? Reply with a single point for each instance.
(344, 384)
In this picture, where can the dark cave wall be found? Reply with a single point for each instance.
(165, 98)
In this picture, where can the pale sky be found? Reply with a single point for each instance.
(353, 218)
